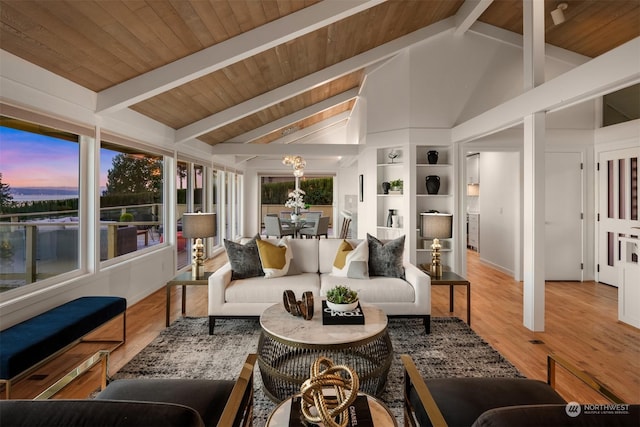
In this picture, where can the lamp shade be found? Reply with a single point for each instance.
(436, 225)
(198, 225)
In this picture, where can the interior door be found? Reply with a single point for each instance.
(617, 208)
(563, 216)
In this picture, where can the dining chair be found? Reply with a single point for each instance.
(273, 227)
(320, 228)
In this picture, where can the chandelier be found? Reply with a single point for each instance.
(297, 163)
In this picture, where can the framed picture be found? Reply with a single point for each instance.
(361, 188)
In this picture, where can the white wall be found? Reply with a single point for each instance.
(500, 181)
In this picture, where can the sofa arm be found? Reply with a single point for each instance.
(218, 283)
(421, 283)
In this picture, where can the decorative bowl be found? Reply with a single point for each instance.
(342, 307)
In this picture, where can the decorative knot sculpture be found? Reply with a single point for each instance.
(302, 308)
(345, 383)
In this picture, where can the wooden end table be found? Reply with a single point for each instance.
(451, 279)
(184, 279)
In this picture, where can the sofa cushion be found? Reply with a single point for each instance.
(95, 413)
(385, 259)
(275, 259)
(207, 397)
(461, 403)
(377, 289)
(556, 415)
(259, 290)
(351, 261)
(327, 249)
(244, 258)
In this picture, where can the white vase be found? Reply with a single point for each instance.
(294, 217)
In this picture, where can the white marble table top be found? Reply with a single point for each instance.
(278, 322)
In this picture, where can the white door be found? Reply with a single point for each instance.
(617, 208)
(563, 216)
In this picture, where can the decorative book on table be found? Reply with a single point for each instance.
(330, 317)
(359, 413)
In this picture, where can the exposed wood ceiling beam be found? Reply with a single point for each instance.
(228, 52)
(306, 83)
(608, 72)
(469, 13)
(297, 116)
(281, 149)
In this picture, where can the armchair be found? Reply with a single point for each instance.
(501, 401)
(136, 402)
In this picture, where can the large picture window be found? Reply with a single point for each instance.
(39, 192)
(131, 189)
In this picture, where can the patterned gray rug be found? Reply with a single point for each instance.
(186, 350)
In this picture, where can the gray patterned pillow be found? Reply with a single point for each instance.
(385, 259)
(244, 259)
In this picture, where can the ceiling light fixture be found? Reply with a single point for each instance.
(557, 15)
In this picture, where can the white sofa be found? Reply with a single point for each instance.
(314, 258)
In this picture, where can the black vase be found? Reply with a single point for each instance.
(432, 157)
(385, 187)
(433, 184)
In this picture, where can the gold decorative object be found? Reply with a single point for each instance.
(324, 374)
(302, 308)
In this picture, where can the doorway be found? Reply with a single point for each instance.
(617, 208)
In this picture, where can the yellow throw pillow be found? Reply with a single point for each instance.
(341, 256)
(352, 262)
(275, 259)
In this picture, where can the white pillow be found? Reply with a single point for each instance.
(275, 259)
(352, 262)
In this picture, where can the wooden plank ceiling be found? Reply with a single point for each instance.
(101, 44)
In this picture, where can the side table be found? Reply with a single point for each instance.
(451, 279)
(380, 413)
(184, 279)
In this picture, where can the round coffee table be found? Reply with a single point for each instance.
(289, 345)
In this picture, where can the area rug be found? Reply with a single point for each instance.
(186, 350)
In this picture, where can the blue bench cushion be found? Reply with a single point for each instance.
(25, 344)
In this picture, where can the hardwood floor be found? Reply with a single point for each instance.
(581, 325)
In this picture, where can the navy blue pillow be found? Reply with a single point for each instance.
(385, 259)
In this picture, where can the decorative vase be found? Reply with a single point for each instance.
(294, 217)
(396, 221)
(433, 184)
(385, 187)
(432, 157)
(390, 216)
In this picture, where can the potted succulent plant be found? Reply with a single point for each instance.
(342, 298)
(396, 185)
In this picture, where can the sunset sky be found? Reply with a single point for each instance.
(33, 160)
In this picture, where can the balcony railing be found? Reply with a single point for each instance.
(36, 246)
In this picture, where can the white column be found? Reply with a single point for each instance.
(534, 170)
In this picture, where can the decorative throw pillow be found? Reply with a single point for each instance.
(275, 259)
(385, 259)
(351, 262)
(244, 259)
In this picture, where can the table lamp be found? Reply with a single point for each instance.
(436, 226)
(198, 226)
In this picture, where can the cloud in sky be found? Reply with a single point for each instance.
(33, 160)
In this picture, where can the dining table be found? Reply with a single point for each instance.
(297, 224)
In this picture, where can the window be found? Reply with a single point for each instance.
(39, 193)
(131, 206)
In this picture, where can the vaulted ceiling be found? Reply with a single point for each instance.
(252, 71)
